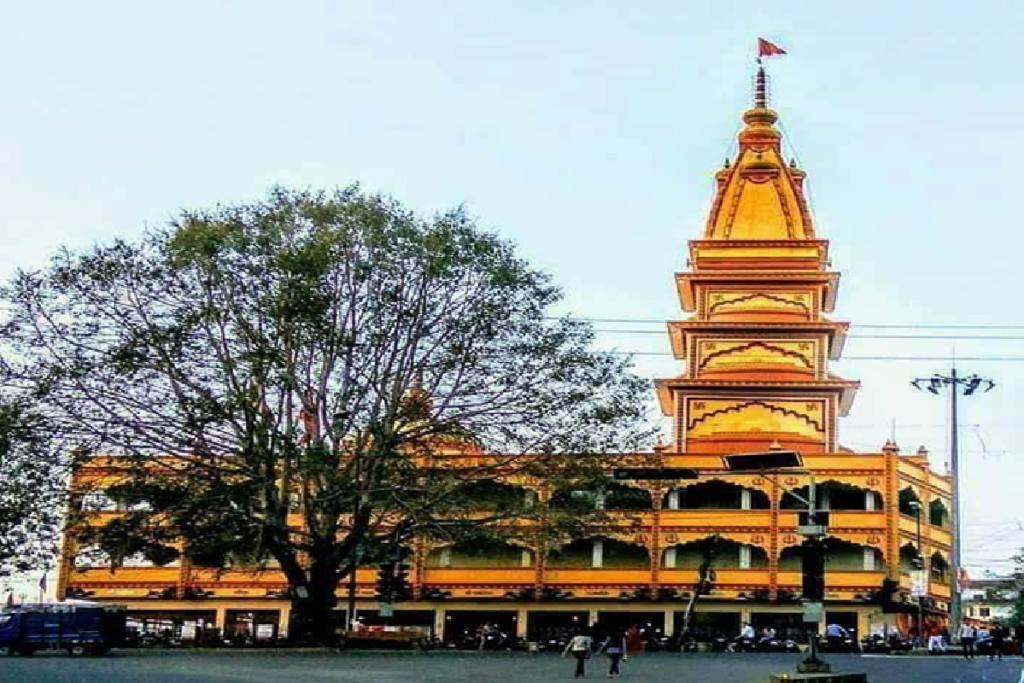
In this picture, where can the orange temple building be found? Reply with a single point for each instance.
(756, 353)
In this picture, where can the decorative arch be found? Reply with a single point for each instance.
(832, 494)
(610, 496)
(480, 552)
(737, 354)
(909, 554)
(724, 553)
(938, 513)
(714, 494)
(840, 555)
(773, 416)
(614, 553)
(495, 496)
(939, 566)
(907, 496)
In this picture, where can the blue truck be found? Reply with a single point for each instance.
(79, 628)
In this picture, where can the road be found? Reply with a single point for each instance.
(449, 667)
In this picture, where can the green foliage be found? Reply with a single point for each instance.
(295, 364)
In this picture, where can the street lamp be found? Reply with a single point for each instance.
(776, 460)
(919, 566)
(969, 385)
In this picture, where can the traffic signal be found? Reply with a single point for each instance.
(813, 570)
(400, 588)
(393, 582)
(386, 582)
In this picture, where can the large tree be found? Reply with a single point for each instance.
(314, 373)
(33, 475)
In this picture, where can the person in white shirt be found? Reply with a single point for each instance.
(968, 634)
(579, 646)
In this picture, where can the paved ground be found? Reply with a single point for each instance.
(291, 667)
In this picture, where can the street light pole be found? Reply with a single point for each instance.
(916, 504)
(969, 385)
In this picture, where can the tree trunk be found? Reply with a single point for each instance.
(314, 621)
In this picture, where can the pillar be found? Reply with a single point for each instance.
(869, 501)
(522, 614)
(670, 621)
(673, 499)
(221, 620)
(745, 557)
(597, 555)
(745, 499)
(439, 621)
(591, 616)
(670, 558)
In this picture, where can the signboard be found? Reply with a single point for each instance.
(264, 631)
(386, 609)
(813, 612)
(919, 583)
(188, 630)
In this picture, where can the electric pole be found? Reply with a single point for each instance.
(935, 384)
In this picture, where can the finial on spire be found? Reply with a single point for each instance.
(760, 89)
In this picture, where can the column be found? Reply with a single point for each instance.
(591, 616)
(869, 501)
(439, 620)
(221, 620)
(745, 499)
(744, 557)
(670, 621)
(521, 618)
(670, 558)
(672, 500)
(597, 555)
(869, 559)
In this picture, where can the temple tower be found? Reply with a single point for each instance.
(757, 347)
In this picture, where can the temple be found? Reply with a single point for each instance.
(755, 355)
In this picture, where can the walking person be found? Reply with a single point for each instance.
(967, 636)
(615, 647)
(998, 635)
(579, 646)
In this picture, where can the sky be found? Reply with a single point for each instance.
(587, 132)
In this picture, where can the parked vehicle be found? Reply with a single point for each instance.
(81, 628)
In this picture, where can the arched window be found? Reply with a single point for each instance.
(480, 553)
(938, 515)
(840, 555)
(908, 496)
(716, 495)
(723, 553)
(599, 552)
(834, 495)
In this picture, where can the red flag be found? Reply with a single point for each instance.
(767, 49)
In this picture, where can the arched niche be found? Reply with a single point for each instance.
(939, 567)
(908, 555)
(715, 494)
(840, 555)
(480, 552)
(722, 553)
(599, 552)
(609, 496)
(907, 496)
(493, 496)
(938, 514)
(834, 495)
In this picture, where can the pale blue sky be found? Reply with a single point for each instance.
(587, 132)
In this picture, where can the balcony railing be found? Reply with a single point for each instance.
(517, 576)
